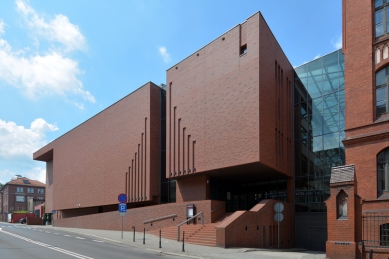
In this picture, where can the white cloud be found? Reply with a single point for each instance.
(165, 55)
(59, 29)
(36, 173)
(49, 73)
(337, 43)
(18, 141)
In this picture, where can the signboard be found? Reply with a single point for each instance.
(122, 198)
(122, 207)
(53, 211)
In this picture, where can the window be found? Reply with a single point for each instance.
(384, 235)
(19, 189)
(383, 171)
(381, 82)
(30, 190)
(243, 49)
(381, 17)
(41, 191)
(20, 198)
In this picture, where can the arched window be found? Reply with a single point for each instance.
(381, 17)
(341, 203)
(385, 52)
(377, 56)
(382, 82)
(383, 171)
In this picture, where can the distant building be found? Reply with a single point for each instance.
(15, 194)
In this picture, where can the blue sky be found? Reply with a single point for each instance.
(61, 62)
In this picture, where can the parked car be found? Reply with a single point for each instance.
(22, 221)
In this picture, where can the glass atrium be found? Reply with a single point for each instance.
(319, 129)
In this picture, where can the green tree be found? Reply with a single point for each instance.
(1, 185)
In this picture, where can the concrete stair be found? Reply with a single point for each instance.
(194, 234)
(171, 232)
(205, 236)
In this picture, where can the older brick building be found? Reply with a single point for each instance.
(358, 210)
(15, 194)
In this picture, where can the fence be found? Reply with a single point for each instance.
(375, 230)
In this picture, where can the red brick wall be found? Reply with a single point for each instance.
(225, 102)
(364, 156)
(342, 239)
(246, 228)
(192, 189)
(135, 217)
(90, 162)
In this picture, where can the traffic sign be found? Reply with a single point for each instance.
(122, 207)
(122, 198)
(279, 207)
(278, 217)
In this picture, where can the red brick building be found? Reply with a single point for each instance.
(15, 194)
(364, 228)
(227, 146)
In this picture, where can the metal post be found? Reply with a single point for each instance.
(278, 234)
(144, 235)
(134, 234)
(371, 254)
(122, 227)
(160, 239)
(183, 241)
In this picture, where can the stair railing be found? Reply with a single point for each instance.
(160, 218)
(195, 216)
(218, 207)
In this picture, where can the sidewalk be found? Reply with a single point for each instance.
(173, 247)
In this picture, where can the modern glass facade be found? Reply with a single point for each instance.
(319, 129)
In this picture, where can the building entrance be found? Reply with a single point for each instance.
(243, 195)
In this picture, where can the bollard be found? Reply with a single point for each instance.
(183, 241)
(371, 254)
(134, 234)
(160, 239)
(144, 235)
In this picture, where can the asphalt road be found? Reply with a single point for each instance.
(21, 241)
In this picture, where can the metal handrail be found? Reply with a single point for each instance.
(218, 207)
(160, 218)
(195, 216)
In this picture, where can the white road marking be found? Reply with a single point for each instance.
(47, 231)
(80, 237)
(66, 236)
(48, 246)
(98, 241)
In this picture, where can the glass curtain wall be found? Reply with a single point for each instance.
(319, 129)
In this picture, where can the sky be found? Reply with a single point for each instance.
(62, 62)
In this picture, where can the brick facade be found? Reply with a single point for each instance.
(226, 109)
(367, 135)
(15, 194)
(116, 151)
